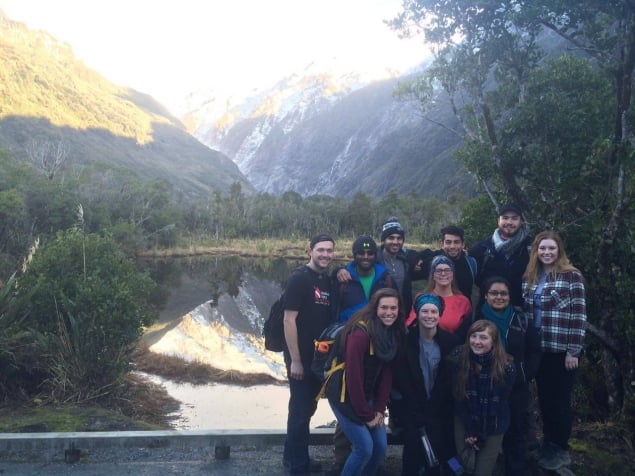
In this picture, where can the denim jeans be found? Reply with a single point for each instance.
(302, 406)
(369, 446)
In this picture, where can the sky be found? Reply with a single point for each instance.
(169, 48)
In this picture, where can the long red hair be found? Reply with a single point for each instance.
(534, 267)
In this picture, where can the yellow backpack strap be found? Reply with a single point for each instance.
(334, 368)
(363, 324)
(343, 389)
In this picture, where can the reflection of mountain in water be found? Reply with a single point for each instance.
(227, 335)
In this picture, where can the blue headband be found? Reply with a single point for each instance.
(422, 299)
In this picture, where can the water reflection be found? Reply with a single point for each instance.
(213, 308)
(185, 283)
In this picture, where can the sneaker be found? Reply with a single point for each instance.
(539, 452)
(553, 457)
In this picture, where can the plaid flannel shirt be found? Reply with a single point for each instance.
(563, 306)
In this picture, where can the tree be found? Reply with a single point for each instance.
(89, 303)
(48, 157)
(554, 136)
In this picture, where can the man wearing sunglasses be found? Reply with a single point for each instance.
(366, 277)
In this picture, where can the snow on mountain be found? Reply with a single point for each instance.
(205, 335)
(313, 132)
(293, 100)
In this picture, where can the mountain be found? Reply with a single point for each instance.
(48, 96)
(336, 134)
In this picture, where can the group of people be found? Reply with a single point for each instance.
(454, 377)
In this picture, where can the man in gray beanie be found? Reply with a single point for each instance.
(402, 264)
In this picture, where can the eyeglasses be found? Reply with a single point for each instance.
(365, 253)
(443, 271)
(498, 293)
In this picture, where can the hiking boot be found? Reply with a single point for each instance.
(553, 457)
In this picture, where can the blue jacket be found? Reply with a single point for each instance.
(350, 296)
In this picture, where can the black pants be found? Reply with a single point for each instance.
(440, 430)
(515, 440)
(555, 386)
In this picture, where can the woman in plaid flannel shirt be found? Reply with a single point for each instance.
(553, 291)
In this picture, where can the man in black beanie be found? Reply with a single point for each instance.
(366, 277)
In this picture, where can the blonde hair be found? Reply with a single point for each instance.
(534, 267)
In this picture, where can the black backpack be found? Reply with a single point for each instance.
(273, 328)
(327, 350)
(327, 356)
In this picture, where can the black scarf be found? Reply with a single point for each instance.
(384, 341)
(483, 397)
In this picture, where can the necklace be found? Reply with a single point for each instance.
(391, 261)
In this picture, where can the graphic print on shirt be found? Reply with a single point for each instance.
(320, 296)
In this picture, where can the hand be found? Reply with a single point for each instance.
(571, 363)
(471, 441)
(343, 275)
(376, 422)
(297, 370)
(419, 265)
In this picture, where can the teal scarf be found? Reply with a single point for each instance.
(502, 320)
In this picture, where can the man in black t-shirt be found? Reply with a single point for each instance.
(307, 312)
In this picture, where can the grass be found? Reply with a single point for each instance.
(137, 405)
(259, 248)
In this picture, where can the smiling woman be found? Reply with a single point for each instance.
(520, 339)
(370, 340)
(483, 375)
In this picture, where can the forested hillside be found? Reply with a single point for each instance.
(50, 100)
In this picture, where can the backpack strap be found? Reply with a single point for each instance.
(338, 365)
(523, 320)
(473, 266)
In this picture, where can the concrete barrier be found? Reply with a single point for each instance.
(222, 440)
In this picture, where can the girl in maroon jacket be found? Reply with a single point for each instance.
(371, 339)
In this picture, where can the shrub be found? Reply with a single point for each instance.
(89, 303)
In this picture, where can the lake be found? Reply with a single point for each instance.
(213, 308)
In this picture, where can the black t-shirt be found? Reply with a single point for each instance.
(309, 293)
